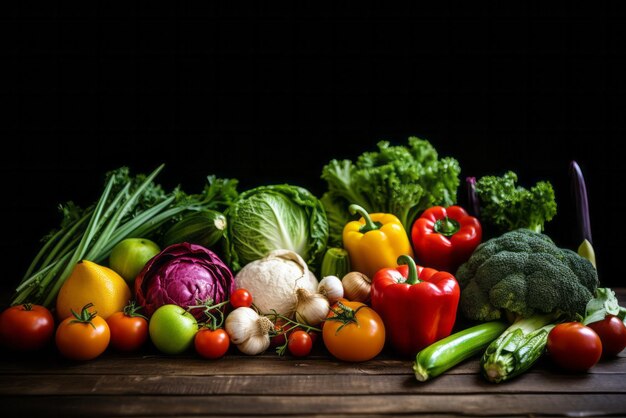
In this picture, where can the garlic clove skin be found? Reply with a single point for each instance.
(248, 330)
(356, 287)
(331, 287)
(255, 345)
(240, 324)
(311, 308)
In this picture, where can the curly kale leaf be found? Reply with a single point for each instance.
(402, 180)
(508, 206)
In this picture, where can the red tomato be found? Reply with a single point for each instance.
(574, 346)
(83, 336)
(314, 336)
(128, 333)
(355, 333)
(612, 333)
(26, 327)
(279, 338)
(241, 298)
(299, 343)
(211, 344)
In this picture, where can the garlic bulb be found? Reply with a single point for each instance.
(311, 308)
(331, 287)
(248, 330)
(356, 287)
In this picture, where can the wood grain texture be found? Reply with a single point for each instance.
(470, 405)
(304, 385)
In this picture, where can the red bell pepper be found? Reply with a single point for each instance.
(417, 305)
(445, 238)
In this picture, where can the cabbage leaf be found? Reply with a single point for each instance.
(275, 217)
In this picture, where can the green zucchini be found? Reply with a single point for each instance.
(450, 351)
(205, 228)
(336, 262)
(517, 348)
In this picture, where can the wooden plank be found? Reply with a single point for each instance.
(303, 385)
(420, 404)
(236, 364)
(115, 363)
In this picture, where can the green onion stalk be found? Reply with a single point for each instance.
(128, 207)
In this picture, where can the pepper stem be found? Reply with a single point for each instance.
(446, 226)
(412, 279)
(369, 224)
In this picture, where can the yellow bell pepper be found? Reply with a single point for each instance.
(375, 241)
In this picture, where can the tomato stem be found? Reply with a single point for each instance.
(213, 322)
(131, 310)
(85, 315)
(345, 315)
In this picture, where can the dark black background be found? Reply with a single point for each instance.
(270, 93)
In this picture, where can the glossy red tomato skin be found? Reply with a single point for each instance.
(574, 347)
(241, 298)
(299, 343)
(128, 333)
(612, 333)
(26, 327)
(212, 344)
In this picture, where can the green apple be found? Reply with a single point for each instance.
(172, 329)
(130, 255)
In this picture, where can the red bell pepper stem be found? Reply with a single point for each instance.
(412, 277)
(369, 224)
(446, 226)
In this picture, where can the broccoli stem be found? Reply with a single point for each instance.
(518, 348)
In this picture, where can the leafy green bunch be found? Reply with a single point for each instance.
(508, 206)
(130, 206)
(402, 180)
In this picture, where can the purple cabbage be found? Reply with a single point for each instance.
(183, 274)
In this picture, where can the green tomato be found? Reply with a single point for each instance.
(130, 255)
(172, 329)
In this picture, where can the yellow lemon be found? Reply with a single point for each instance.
(92, 283)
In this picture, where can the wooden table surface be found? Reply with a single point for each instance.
(150, 384)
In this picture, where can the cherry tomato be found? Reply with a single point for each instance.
(280, 330)
(128, 333)
(26, 327)
(299, 343)
(83, 336)
(241, 298)
(314, 336)
(574, 346)
(353, 332)
(612, 333)
(212, 344)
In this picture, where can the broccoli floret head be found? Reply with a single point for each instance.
(524, 273)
